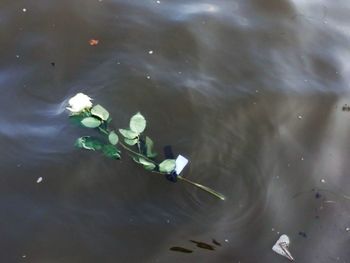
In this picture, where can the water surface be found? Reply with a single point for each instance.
(250, 91)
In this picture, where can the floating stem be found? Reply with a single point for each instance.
(204, 188)
(96, 116)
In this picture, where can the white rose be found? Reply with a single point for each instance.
(79, 102)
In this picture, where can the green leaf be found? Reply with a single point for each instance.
(76, 119)
(137, 123)
(89, 143)
(131, 142)
(167, 166)
(111, 151)
(100, 112)
(146, 164)
(90, 122)
(128, 134)
(113, 138)
(149, 148)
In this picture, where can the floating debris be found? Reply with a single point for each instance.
(53, 64)
(300, 117)
(181, 163)
(24, 10)
(216, 242)
(346, 108)
(303, 234)
(281, 247)
(347, 229)
(39, 180)
(181, 249)
(93, 42)
(203, 245)
(318, 195)
(150, 52)
(323, 181)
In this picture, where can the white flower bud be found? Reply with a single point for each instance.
(79, 102)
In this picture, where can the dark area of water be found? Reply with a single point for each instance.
(251, 91)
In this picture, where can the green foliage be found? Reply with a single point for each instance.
(76, 119)
(91, 122)
(100, 112)
(146, 164)
(167, 166)
(98, 117)
(149, 148)
(128, 134)
(89, 143)
(111, 151)
(113, 138)
(131, 142)
(137, 123)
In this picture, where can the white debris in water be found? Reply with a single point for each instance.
(302, 158)
(347, 229)
(24, 256)
(148, 77)
(300, 117)
(39, 180)
(168, 221)
(150, 52)
(158, 2)
(17, 56)
(24, 9)
(181, 163)
(281, 247)
(226, 240)
(323, 181)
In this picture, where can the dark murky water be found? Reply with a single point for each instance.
(251, 91)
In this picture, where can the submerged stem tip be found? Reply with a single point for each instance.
(204, 188)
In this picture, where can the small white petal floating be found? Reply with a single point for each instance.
(281, 247)
(79, 102)
(39, 180)
(181, 163)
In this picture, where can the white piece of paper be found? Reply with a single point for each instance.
(181, 163)
(281, 247)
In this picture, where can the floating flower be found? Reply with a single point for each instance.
(79, 103)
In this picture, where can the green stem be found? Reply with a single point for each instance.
(136, 153)
(106, 132)
(204, 188)
(103, 131)
(138, 144)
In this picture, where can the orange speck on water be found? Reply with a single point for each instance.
(93, 42)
